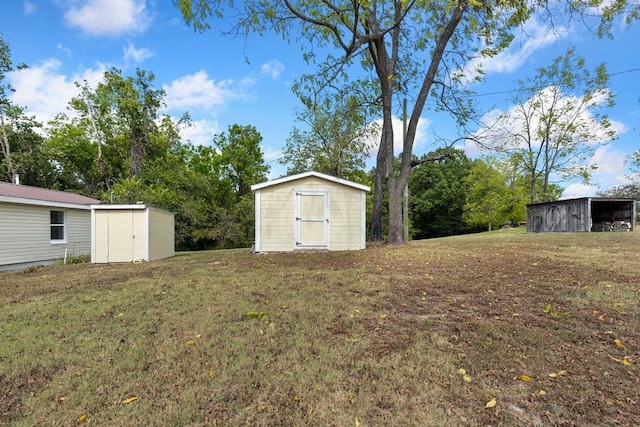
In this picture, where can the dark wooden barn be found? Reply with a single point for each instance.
(584, 214)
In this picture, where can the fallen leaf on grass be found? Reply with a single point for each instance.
(542, 393)
(626, 361)
(383, 316)
(130, 399)
(525, 378)
(255, 314)
(491, 403)
(356, 421)
(81, 419)
(466, 379)
(193, 340)
(354, 338)
(619, 344)
(210, 372)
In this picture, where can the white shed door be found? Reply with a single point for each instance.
(312, 219)
(124, 235)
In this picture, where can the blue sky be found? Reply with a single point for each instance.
(222, 81)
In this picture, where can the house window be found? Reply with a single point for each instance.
(58, 227)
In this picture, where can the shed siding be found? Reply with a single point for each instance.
(161, 234)
(578, 215)
(277, 218)
(566, 216)
(26, 234)
(125, 234)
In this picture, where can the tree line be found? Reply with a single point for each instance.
(387, 51)
(117, 146)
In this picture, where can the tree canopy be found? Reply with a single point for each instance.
(404, 47)
(555, 125)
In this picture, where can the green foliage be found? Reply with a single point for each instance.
(488, 200)
(626, 191)
(11, 115)
(337, 139)
(241, 161)
(556, 124)
(404, 48)
(437, 194)
(195, 184)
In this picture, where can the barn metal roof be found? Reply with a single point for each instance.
(308, 174)
(593, 199)
(41, 196)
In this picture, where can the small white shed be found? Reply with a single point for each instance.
(131, 233)
(309, 211)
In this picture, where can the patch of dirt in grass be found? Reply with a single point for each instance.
(547, 325)
(13, 391)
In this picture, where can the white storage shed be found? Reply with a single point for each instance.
(131, 233)
(309, 211)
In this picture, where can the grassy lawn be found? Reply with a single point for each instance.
(548, 325)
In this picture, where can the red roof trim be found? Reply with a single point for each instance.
(43, 194)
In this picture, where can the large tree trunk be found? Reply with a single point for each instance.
(378, 190)
(396, 234)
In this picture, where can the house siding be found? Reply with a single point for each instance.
(26, 234)
(276, 209)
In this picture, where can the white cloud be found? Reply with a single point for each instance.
(576, 190)
(419, 143)
(200, 132)
(65, 51)
(136, 55)
(109, 17)
(44, 91)
(272, 68)
(198, 91)
(270, 155)
(29, 7)
(534, 36)
(504, 129)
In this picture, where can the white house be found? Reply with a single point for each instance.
(131, 233)
(39, 226)
(309, 211)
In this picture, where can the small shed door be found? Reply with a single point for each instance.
(122, 235)
(312, 219)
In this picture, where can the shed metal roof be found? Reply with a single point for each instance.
(308, 174)
(593, 199)
(34, 195)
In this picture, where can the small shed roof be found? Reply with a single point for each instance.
(309, 174)
(26, 194)
(594, 199)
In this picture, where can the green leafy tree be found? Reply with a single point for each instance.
(437, 192)
(337, 139)
(626, 191)
(556, 123)
(10, 115)
(407, 47)
(488, 197)
(30, 160)
(241, 159)
(116, 130)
